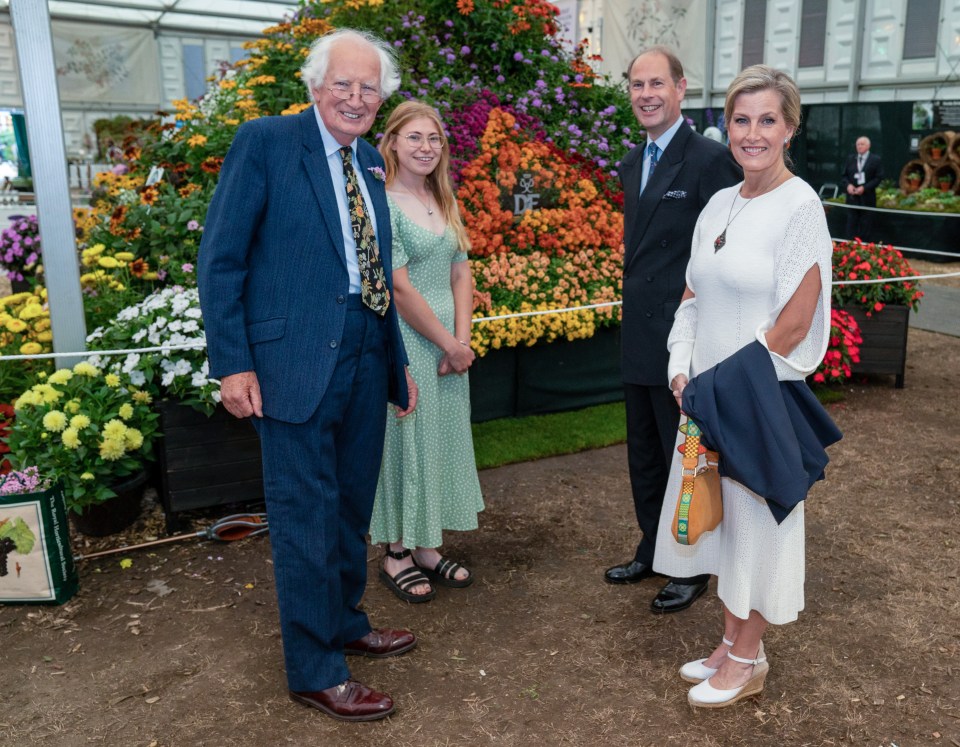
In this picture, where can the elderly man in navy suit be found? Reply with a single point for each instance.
(862, 174)
(295, 286)
(666, 182)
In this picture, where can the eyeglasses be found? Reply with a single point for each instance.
(416, 140)
(345, 91)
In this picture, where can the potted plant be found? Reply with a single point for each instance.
(913, 180)
(24, 330)
(91, 432)
(946, 182)
(881, 309)
(20, 250)
(936, 147)
(843, 351)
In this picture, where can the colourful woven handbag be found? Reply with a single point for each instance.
(700, 506)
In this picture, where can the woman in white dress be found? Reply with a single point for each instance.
(759, 270)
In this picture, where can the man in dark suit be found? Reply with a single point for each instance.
(666, 183)
(862, 175)
(295, 286)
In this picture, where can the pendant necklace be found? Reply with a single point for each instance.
(721, 240)
(425, 205)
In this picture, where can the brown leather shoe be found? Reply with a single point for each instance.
(350, 701)
(381, 643)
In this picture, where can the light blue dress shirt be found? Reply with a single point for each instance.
(662, 142)
(335, 163)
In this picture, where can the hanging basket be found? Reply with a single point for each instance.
(935, 147)
(908, 185)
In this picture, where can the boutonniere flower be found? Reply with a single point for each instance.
(378, 173)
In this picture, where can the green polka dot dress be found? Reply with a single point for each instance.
(428, 478)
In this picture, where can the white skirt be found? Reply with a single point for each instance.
(759, 564)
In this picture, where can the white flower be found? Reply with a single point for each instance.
(160, 322)
(139, 335)
(167, 378)
(183, 367)
(191, 326)
(198, 380)
(130, 362)
(215, 396)
(175, 325)
(193, 313)
(137, 378)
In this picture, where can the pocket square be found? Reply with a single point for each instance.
(675, 194)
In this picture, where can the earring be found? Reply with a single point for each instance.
(786, 140)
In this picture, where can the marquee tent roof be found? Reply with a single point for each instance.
(234, 17)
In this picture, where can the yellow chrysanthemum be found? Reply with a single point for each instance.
(47, 393)
(71, 438)
(15, 325)
(54, 421)
(114, 429)
(31, 348)
(73, 406)
(95, 249)
(44, 336)
(197, 140)
(61, 376)
(86, 369)
(142, 397)
(133, 439)
(126, 411)
(79, 421)
(125, 256)
(31, 311)
(87, 476)
(28, 399)
(112, 380)
(112, 449)
(108, 262)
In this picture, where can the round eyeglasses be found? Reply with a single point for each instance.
(416, 140)
(345, 91)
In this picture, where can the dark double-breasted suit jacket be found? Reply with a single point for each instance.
(658, 229)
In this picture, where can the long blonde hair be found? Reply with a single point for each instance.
(438, 181)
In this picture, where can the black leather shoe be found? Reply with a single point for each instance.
(628, 573)
(675, 597)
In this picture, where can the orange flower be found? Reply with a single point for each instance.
(465, 7)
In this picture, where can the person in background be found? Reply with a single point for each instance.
(428, 480)
(297, 297)
(759, 274)
(862, 174)
(666, 183)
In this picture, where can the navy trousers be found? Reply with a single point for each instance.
(320, 478)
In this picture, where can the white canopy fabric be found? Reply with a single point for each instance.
(234, 17)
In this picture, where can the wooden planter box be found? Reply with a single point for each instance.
(884, 346)
(548, 377)
(206, 462)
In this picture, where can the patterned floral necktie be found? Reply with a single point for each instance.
(373, 280)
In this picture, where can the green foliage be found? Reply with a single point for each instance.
(20, 533)
(927, 200)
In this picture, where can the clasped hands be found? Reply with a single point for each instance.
(852, 189)
(457, 359)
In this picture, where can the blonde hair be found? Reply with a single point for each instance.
(765, 78)
(438, 180)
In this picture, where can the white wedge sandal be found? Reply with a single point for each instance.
(695, 671)
(705, 695)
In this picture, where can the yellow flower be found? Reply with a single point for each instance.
(73, 406)
(87, 476)
(112, 449)
(15, 325)
(79, 421)
(114, 429)
(31, 348)
(86, 369)
(44, 336)
(55, 421)
(28, 399)
(133, 439)
(126, 411)
(62, 376)
(196, 140)
(108, 262)
(70, 438)
(31, 311)
(47, 393)
(142, 397)
(112, 380)
(125, 256)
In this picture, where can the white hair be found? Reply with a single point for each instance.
(314, 70)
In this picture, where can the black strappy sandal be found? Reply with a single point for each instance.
(444, 573)
(406, 579)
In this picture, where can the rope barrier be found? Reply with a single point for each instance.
(908, 213)
(477, 320)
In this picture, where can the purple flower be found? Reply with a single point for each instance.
(518, 56)
(186, 267)
(378, 173)
(192, 225)
(464, 50)
(448, 23)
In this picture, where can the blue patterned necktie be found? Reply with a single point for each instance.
(654, 158)
(373, 280)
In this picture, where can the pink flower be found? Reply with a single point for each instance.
(378, 173)
(186, 267)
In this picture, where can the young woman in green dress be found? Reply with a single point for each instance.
(428, 479)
